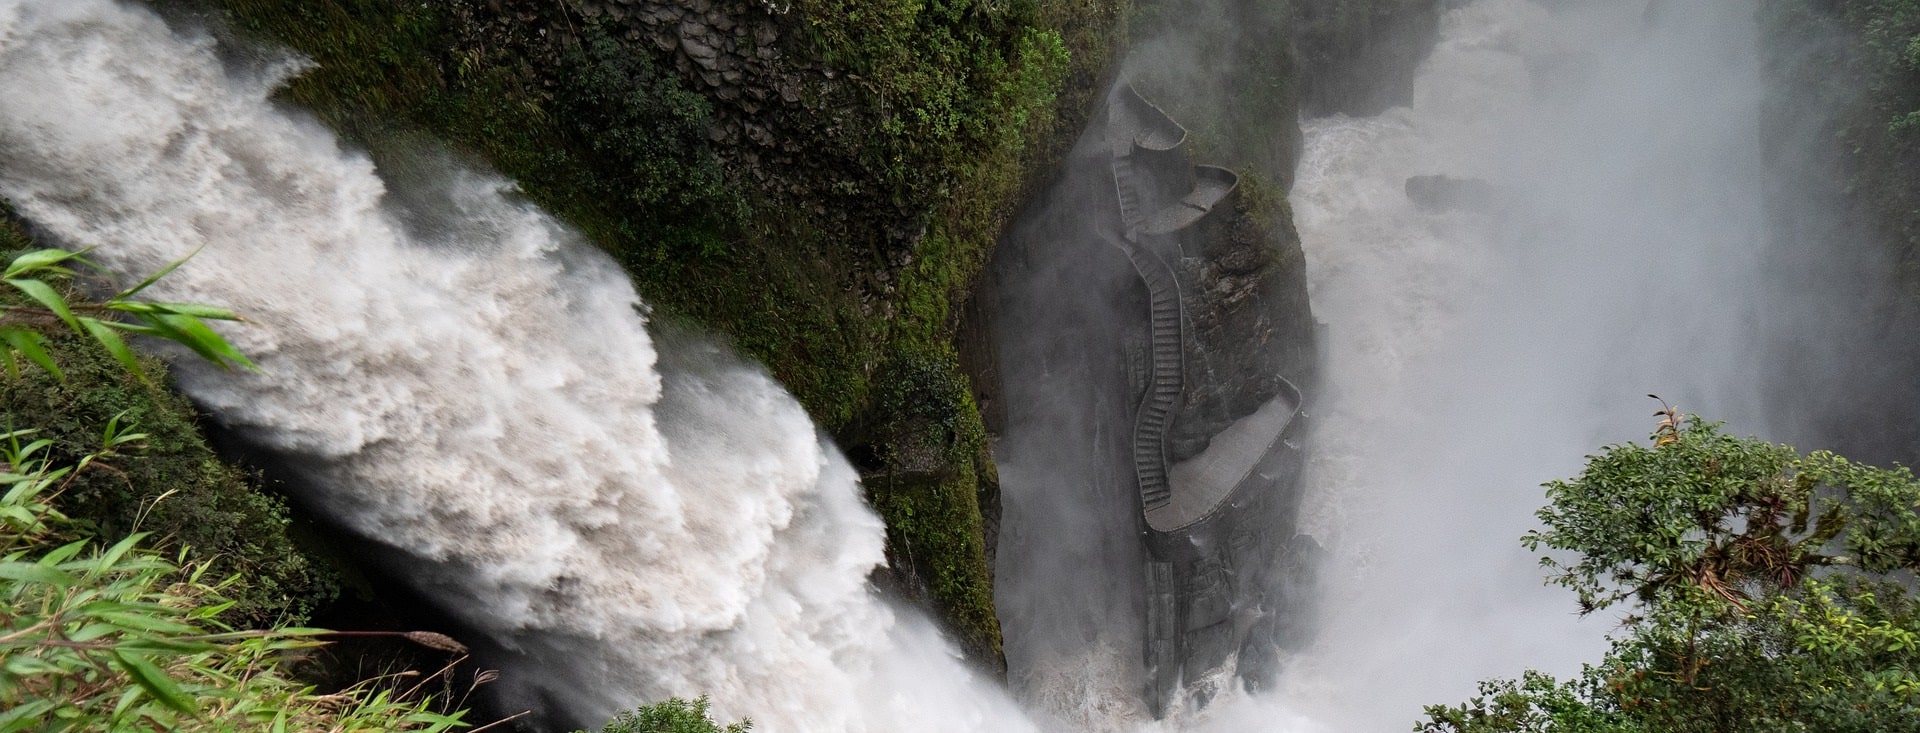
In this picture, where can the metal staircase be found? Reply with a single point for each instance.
(1166, 377)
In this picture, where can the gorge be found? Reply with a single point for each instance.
(1413, 304)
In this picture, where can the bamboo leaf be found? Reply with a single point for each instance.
(155, 277)
(35, 573)
(44, 259)
(107, 559)
(104, 334)
(193, 309)
(145, 622)
(155, 682)
(34, 347)
(206, 342)
(46, 296)
(60, 554)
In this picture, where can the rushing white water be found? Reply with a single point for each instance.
(1473, 355)
(480, 394)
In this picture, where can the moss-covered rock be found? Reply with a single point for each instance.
(821, 180)
(170, 483)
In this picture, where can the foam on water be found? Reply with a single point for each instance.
(480, 394)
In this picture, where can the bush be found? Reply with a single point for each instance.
(175, 487)
(673, 715)
(119, 638)
(1767, 588)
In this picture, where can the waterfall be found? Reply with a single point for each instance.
(474, 389)
(1598, 236)
(1605, 240)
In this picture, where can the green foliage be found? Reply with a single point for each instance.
(647, 137)
(119, 638)
(42, 275)
(175, 487)
(673, 715)
(1766, 587)
(1874, 116)
(1889, 33)
(1714, 516)
(933, 472)
(1536, 703)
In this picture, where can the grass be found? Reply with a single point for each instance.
(175, 487)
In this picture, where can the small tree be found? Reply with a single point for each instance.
(1764, 584)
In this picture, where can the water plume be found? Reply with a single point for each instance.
(1606, 240)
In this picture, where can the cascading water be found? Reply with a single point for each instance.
(1604, 240)
(1599, 236)
(472, 387)
(480, 395)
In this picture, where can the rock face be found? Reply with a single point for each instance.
(1172, 421)
(1215, 448)
(1444, 193)
(795, 128)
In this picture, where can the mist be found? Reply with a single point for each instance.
(627, 515)
(1602, 233)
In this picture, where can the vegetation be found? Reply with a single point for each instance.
(1883, 135)
(175, 488)
(673, 715)
(933, 476)
(121, 638)
(1874, 118)
(1767, 589)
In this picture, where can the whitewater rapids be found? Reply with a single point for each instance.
(475, 389)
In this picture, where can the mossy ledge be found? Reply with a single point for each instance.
(172, 484)
(821, 181)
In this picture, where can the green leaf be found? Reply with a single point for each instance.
(107, 559)
(104, 334)
(155, 277)
(145, 622)
(35, 573)
(41, 260)
(33, 345)
(45, 295)
(60, 554)
(203, 340)
(185, 309)
(155, 682)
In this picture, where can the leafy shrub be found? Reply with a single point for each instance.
(647, 135)
(1768, 592)
(119, 638)
(673, 715)
(176, 487)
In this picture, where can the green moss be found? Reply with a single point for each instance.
(933, 534)
(12, 238)
(172, 484)
(941, 116)
(927, 475)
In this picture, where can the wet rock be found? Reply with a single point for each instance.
(1445, 193)
(698, 45)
